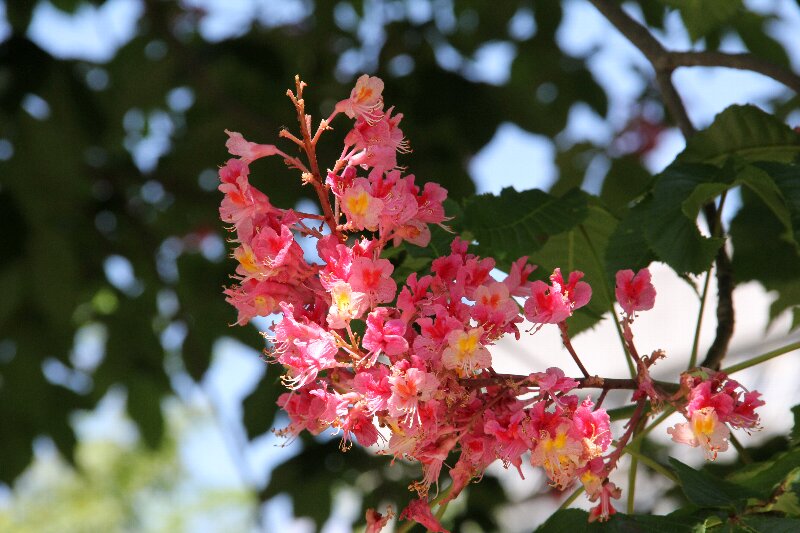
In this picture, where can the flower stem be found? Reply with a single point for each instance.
(652, 464)
(655, 423)
(696, 342)
(571, 499)
(568, 345)
(607, 294)
(743, 455)
(762, 358)
(632, 478)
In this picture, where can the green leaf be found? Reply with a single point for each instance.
(307, 476)
(577, 521)
(762, 477)
(572, 165)
(746, 132)
(144, 406)
(626, 180)
(787, 180)
(788, 499)
(68, 6)
(772, 524)
(751, 27)
(670, 233)
(515, 224)
(758, 239)
(566, 521)
(53, 263)
(788, 299)
(703, 16)
(12, 279)
(260, 407)
(701, 194)
(756, 234)
(705, 490)
(627, 246)
(760, 182)
(794, 436)
(583, 248)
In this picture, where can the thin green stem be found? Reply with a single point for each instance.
(572, 497)
(652, 464)
(406, 526)
(743, 455)
(762, 358)
(442, 495)
(696, 342)
(440, 511)
(607, 293)
(654, 424)
(632, 479)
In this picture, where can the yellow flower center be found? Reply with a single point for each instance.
(467, 344)
(246, 258)
(358, 203)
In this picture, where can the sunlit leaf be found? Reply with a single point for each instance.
(746, 132)
(515, 223)
(583, 248)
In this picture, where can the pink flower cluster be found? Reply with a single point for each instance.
(409, 368)
(714, 402)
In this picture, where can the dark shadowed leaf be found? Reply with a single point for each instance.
(260, 407)
(626, 180)
(705, 490)
(752, 28)
(772, 524)
(577, 521)
(787, 180)
(757, 237)
(144, 406)
(704, 16)
(627, 245)
(671, 234)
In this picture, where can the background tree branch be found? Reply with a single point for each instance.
(664, 63)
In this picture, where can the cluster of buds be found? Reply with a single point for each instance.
(409, 369)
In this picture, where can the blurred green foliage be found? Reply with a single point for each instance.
(118, 484)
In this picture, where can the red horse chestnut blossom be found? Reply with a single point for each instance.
(635, 292)
(714, 403)
(406, 365)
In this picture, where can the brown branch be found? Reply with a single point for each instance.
(664, 62)
(568, 345)
(674, 103)
(725, 313)
(591, 382)
(655, 53)
(633, 423)
(735, 61)
(309, 145)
